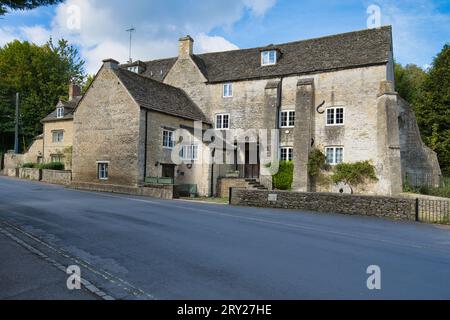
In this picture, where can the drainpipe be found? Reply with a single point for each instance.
(212, 173)
(279, 98)
(145, 145)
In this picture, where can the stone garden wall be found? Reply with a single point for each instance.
(386, 207)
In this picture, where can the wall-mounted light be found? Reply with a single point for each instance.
(157, 163)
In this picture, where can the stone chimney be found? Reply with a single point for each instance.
(74, 91)
(111, 64)
(186, 47)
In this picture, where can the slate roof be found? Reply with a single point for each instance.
(69, 108)
(157, 96)
(336, 52)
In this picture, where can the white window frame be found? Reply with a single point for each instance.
(289, 119)
(334, 109)
(220, 126)
(99, 163)
(289, 153)
(134, 69)
(171, 134)
(59, 156)
(266, 58)
(189, 152)
(60, 112)
(334, 150)
(227, 90)
(59, 134)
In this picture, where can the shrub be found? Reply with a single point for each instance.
(354, 174)
(29, 165)
(285, 177)
(53, 166)
(317, 162)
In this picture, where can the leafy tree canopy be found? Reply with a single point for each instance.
(6, 5)
(429, 94)
(41, 75)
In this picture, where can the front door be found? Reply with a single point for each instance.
(251, 161)
(168, 171)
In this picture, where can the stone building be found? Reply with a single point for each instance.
(55, 143)
(124, 127)
(334, 93)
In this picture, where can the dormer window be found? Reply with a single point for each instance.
(60, 113)
(134, 69)
(269, 58)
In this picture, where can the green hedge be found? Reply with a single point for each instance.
(47, 166)
(285, 177)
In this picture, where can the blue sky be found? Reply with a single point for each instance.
(421, 27)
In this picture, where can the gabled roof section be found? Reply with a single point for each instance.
(336, 52)
(160, 97)
(156, 69)
(69, 108)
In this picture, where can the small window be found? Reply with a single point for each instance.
(269, 58)
(287, 154)
(335, 155)
(55, 158)
(335, 116)
(58, 136)
(287, 119)
(189, 153)
(60, 113)
(103, 170)
(168, 141)
(228, 90)
(223, 121)
(134, 69)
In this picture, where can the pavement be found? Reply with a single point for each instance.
(26, 276)
(141, 248)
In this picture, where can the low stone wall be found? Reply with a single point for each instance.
(13, 161)
(224, 185)
(386, 207)
(13, 173)
(154, 191)
(30, 174)
(57, 177)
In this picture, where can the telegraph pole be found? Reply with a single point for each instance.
(131, 30)
(16, 134)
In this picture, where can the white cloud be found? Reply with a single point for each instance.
(7, 34)
(417, 28)
(205, 43)
(259, 7)
(37, 34)
(158, 25)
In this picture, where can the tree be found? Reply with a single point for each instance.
(409, 81)
(428, 92)
(433, 108)
(24, 4)
(41, 74)
(90, 78)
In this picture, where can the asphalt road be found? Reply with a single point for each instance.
(141, 248)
